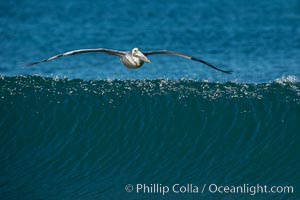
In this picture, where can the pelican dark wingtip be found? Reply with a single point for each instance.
(228, 72)
(225, 71)
(30, 64)
(210, 65)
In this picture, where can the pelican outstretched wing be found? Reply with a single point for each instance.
(148, 53)
(69, 53)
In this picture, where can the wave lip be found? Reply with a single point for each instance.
(285, 87)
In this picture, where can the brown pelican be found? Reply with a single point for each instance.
(132, 59)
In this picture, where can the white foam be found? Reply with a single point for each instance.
(287, 79)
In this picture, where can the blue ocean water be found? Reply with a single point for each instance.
(259, 40)
(84, 126)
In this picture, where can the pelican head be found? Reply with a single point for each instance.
(136, 53)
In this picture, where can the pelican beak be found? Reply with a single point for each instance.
(141, 56)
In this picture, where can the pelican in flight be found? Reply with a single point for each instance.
(132, 59)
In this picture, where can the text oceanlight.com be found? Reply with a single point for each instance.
(207, 188)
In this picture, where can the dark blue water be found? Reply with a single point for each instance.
(84, 126)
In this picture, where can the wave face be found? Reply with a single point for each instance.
(75, 139)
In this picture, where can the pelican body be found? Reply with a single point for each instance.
(132, 59)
